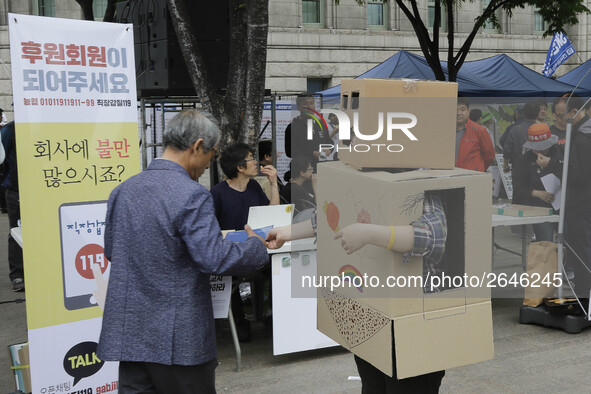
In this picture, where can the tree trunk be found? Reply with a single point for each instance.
(209, 99)
(86, 6)
(423, 36)
(110, 11)
(450, 39)
(234, 101)
(258, 26)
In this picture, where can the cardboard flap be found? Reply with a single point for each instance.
(357, 327)
(448, 302)
(464, 336)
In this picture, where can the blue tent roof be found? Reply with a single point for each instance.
(497, 76)
(575, 76)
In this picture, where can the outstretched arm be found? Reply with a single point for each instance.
(356, 236)
(279, 235)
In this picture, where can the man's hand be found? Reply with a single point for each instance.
(542, 160)
(353, 237)
(278, 236)
(543, 195)
(252, 233)
(271, 173)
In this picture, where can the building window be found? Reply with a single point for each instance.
(431, 15)
(46, 7)
(99, 7)
(312, 12)
(376, 15)
(316, 84)
(488, 25)
(540, 25)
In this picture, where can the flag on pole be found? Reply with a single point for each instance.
(560, 50)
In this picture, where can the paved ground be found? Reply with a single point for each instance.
(528, 359)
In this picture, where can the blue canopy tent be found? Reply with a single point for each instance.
(575, 76)
(497, 76)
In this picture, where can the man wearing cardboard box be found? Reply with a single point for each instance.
(425, 237)
(474, 148)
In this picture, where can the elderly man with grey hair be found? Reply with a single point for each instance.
(164, 242)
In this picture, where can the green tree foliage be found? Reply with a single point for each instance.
(558, 14)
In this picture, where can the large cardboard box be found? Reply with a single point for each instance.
(432, 331)
(427, 108)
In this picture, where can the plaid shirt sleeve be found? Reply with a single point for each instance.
(430, 230)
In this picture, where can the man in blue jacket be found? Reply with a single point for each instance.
(163, 242)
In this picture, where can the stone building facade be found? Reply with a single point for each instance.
(349, 39)
(313, 44)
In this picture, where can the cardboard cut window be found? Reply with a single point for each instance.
(354, 100)
(431, 331)
(453, 261)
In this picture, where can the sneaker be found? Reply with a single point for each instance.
(18, 284)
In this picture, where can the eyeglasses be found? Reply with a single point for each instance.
(560, 115)
(247, 160)
(309, 169)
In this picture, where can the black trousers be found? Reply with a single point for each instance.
(15, 252)
(375, 381)
(139, 377)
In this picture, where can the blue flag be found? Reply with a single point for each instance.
(560, 50)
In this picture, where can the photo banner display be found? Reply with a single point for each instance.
(75, 110)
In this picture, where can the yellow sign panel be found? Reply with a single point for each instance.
(61, 164)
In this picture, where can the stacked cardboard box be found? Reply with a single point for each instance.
(431, 331)
(422, 115)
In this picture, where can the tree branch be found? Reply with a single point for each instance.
(451, 72)
(460, 57)
(86, 6)
(211, 102)
(110, 11)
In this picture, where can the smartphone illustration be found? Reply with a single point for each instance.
(82, 226)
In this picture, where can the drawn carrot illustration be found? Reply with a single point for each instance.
(332, 215)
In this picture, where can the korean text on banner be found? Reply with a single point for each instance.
(560, 50)
(76, 139)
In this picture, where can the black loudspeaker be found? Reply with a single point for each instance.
(160, 66)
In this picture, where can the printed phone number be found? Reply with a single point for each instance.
(65, 102)
(61, 102)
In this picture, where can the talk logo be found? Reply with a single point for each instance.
(349, 271)
(81, 361)
(332, 215)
